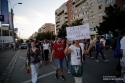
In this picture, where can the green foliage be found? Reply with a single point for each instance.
(45, 35)
(113, 21)
(76, 23)
(21, 41)
(62, 30)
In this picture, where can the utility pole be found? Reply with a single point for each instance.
(1, 28)
(13, 32)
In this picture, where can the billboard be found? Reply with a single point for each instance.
(5, 11)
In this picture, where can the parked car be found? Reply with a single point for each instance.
(24, 45)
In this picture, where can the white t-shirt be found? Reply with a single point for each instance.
(103, 40)
(45, 46)
(122, 42)
(75, 55)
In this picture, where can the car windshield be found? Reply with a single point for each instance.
(24, 44)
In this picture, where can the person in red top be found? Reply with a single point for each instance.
(58, 50)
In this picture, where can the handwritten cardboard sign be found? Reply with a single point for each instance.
(78, 32)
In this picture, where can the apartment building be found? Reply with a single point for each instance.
(61, 16)
(90, 11)
(47, 27)
(70, 12)
(121, 4)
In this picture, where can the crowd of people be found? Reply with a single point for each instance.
(66, 50)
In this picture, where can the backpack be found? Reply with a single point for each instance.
(117, 48)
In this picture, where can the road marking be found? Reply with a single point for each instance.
(53, 66)
(22, 57)
(22, 67)
(40, 76)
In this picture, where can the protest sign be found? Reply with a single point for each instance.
(78, 32)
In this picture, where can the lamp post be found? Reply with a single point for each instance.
(13, 32)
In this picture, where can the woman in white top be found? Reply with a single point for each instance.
(46, 51)
(75, 55)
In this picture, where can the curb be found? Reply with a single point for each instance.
(4, 78)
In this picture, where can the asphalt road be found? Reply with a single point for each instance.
(93, 71)
(5, 58)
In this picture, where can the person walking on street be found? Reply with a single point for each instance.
(33, 58)
(58, 50)
(67, 57)
(39, 48)
(76, 58)
(99, 49)
(46, 50)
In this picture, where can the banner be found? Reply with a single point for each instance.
(5, 11)
(10, 22)
(78, 32)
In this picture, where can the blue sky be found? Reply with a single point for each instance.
(32, 14)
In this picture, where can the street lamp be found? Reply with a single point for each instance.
(13, 32)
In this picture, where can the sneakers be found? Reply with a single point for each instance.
(92, 57)
(68, 71)
(56, 76)
(62, 77)
(106, 60)
(97, 60)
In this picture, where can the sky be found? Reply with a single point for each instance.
(32, 14)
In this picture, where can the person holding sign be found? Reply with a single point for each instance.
(76, 59)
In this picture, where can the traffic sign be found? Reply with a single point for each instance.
(1, 17)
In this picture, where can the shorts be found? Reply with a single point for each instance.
(59, 63)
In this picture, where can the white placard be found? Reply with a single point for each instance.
(78, 32)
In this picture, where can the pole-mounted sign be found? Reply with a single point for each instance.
(1, 17)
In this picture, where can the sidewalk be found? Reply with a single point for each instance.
(5, 57)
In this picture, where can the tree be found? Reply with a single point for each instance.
(113, 21)
(62, 30)
(45, 35)
(21, 41)
(76, 23)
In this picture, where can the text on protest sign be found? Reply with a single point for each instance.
(78, 32)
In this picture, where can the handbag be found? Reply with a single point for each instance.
(77, 70)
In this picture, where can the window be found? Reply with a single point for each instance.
(100, 7)
(110, 1)
(91, 4)
(93, 16)
(85, 19)
(101, 21)
(99, 0)
(100, 14)
(92, 11)
(93, 23)
(80, 15)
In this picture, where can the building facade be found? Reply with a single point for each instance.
(61, 16)
(47, 27)
(90, 11)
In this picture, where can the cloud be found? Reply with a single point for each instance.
(32, 22)
(21, 20)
